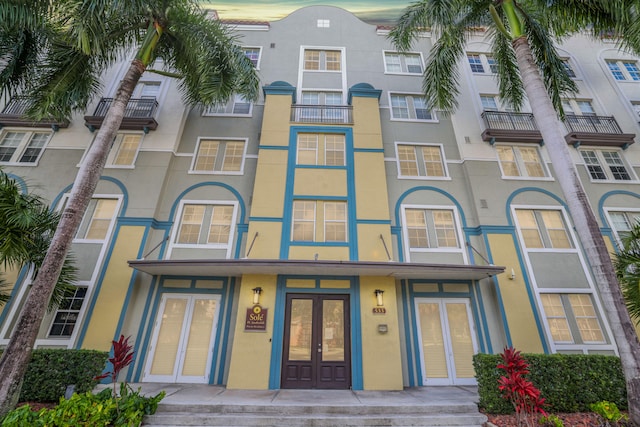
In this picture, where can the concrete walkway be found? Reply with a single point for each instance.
(198, 404)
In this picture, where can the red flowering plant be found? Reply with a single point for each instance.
(515, 387)
(122, 357)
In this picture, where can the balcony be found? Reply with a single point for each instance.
(13, 114)
(325, 114)
(139, 115)
(503, 126)
(602, 131)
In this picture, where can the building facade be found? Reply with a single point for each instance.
(338, 232)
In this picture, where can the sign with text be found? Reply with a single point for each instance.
(256, 319)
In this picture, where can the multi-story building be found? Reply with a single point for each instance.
(338, 232)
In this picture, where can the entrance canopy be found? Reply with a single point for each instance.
(238, 267)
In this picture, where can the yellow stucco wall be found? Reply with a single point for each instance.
(267, 243)
(518, 310)
(370, 246)
(271, 177)
(320, 182)
(367, 131)
(324, 253)
(9, 276)
(371, 186)
(106, 313)
(251, 354)
(275, 122)
(381, 358)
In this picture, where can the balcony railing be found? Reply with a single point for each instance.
(138, 115)
(322, 114)
(13, 114)
(509, 126)
(596, 130)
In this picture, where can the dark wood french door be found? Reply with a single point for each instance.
(317, 342)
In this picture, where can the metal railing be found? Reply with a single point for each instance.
(322, 113)
(17, 106)
(509, 121)
(592, 124)
(136, 108)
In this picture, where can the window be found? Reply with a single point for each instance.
(22, 147)
(543, 229)
(253, 53)
(321, 149)
(636, 108)
(221, 156)
(604, 165)
(572, 318)
(578, 106)
(322, 60)
(237, 105)
(205, 224)
(323, 23)
(410, 107)
(482, 63)
(431, 228)
(420, 161)
(330, 112)
(332, 216)
(623, 70)
(489, 102)
(403, 63)
(67, 313)
(568, 69)
(146, 90)
(98, 219)
(519, 161)
(124, 150)
(623, 222)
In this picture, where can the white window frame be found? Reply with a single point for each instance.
(457, 228)
(575, 106)
(545, 238)
(402, 57)
(228, 109)
(487, 62)
(319, 205)
(322, 61)
(112, 224)
(411, 109)
(245, 50)
(23, 146)
(218, 161)
(622, 70)
(178, 222)
(115, 148)
(572, 318)
(323, 23)
(606, 167)
(569, 68)
(69, 311)
(521, 165)
(626, 211)
(422, 167)
(321, 147)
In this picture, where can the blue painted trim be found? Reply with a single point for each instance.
(487, 347)
(369, 150)
(143, 321)
(527, 189)
(121, 186)
(397, 233)
(280, 88)
(243, 209)
(407, 332)
(363, 90)
(275, 368)
(324, 167)
(416, 338)
(147, 222)
(329, 198)
(264, 219)
(492, 229)
(330, 244)
(605, 196)
(22, 276)
(476, 317)
(273, 147)
(144, 349)
(357, 379)
(374, 221)
(496, 287)
(226, 329)
(19, 181)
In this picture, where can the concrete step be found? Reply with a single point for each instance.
(459, 415)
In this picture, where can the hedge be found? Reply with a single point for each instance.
(50, 371)
(568, 382)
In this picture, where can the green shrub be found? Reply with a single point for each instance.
(89, 410)
(608, 411)
(569, 383)
(50, 371)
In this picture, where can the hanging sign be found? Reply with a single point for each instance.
(256, 319)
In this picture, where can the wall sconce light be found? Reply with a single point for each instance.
(379, 300)
(256, 295)
(512, 275)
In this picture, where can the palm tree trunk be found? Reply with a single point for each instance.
(17, 354)
(585, 223)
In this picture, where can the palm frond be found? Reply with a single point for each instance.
(441, 76)
(509, 80)
(627, 265)
(5, 291)
(554, 74)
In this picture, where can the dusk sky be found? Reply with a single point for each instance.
(380, 12)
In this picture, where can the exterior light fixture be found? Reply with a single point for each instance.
(256, 295)
(379, 300)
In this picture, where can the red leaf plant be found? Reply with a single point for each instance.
(122, 357)
(515, 387)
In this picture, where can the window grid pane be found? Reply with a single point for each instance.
(532, 162)
(615, 70)
(407, 160)
(556, 318)
(616, 166)
(508, 162)
(475, 63)
(34, 148)
(9, 145)
(307, 149)
(586, 318)
(304, 216)
(633, 70)
(493, 65)
(67, 314)
(127, 150)
(432, 161)
(529, 228)
(312, 60)
(392, 61)
(399, 107)
(206, 157)
(417, 228)
(334, 150)
(593, 165)
(445, 229)
(220, 227)
(332, 60)
(421, 109)
(556, 230)
(414, 63)
(335, 222)
(233, 152)
(101, 219)
(190, 224)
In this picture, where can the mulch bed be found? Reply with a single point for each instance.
(578, 419)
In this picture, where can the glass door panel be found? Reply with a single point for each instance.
(168, 336)
(199, 342)
(434, 357)
(333, 330)
(461, 340)
(300, 326)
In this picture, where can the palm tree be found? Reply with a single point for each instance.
(522, 42)
(54, 53)
(627, 264)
